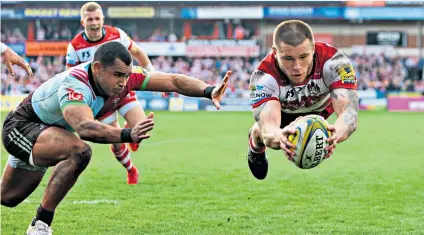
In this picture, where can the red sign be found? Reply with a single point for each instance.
(245, 48)
(324, 37)
(350, 3)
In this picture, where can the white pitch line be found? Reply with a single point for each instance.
(85, 202)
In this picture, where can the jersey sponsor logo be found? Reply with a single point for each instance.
(86, 54)
(347, 74)
(256, 87)
(259, 95)
(313, 88)
(292, 92)
(73, 62)
(74, 95)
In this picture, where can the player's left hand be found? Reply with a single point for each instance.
(332, 141)
(10, 58)
(219, 90)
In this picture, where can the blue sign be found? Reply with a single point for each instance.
(10, 14)
(385, 13)
(19, 48)
(303, 12)
(152, 100)
(189, 13)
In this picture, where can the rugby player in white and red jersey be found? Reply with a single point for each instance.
(82, 48)
(299, 77)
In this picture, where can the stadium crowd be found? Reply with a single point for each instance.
(374, 72)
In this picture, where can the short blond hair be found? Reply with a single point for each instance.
(292, 32)
(90, 7)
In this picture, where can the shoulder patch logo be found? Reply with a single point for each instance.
(347, 74)
(74, 95)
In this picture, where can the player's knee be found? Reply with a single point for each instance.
(81, 156)
(10, 201)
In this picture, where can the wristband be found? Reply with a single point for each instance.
(126, 135)
(208, 92)
(150, 68)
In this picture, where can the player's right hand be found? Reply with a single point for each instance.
(10, 58)
(285, 144)
(219, 90)
(332, 141)
(139, 131)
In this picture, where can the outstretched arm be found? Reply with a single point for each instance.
(185, 85)
(346, 105)
(10, 58)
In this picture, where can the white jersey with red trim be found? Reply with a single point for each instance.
(81, 49)
(331, 70)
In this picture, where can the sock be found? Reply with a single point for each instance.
(123, 156)
(255, 148)
(43, 215)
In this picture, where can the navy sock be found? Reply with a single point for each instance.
(43, 215)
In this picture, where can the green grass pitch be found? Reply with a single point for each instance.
(195, 180)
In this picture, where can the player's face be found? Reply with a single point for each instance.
(296, 62)
(93, 24)
(113, 79)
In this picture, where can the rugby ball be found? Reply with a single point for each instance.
(310, 140)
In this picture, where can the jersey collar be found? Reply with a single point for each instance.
(88, 40)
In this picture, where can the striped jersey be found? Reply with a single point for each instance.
(331, 70)
(77, 86)
(81, 49)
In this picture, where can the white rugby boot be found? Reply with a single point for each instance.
(40, 228)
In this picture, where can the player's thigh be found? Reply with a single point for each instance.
(56, 144)
(131, 109)
(38, 144)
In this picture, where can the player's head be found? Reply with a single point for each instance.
(92, 19)
(111, 67)
(293, 45)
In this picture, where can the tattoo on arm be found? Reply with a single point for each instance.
(351, 116)
(257, 112)
(87, 129)
(350, 109)
(94, 126)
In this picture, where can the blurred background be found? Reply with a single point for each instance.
(384, 40)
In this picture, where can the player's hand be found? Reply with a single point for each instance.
(139, 131)
(10, 58)
(285, 143)
(332, 141)
(219, 90)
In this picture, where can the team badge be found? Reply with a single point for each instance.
(74, 95)
(347, 74)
